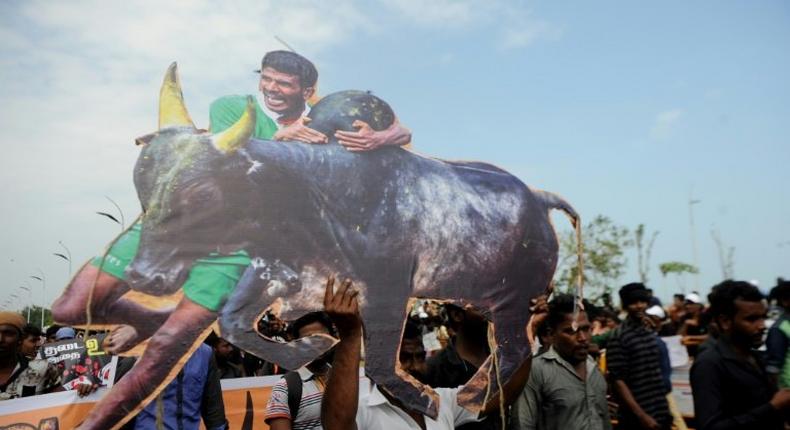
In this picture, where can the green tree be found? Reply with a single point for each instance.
(35, 315)
(644, 251)
(604, 244)
(679, 269)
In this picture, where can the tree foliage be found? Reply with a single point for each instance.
(679, 269)
(644, 251)
(605, 261)
(676, 267)
(35, 315)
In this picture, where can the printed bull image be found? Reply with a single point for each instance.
(287, 216)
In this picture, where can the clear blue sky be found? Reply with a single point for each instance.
(624, 108)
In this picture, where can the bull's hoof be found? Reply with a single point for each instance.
(291, 355)
(122, 339)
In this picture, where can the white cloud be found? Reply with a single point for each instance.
(527, 32)
(512, 25)
(664, 123)
(445, 13)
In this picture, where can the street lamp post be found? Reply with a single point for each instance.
(691, 203)
(67, 255)
(43, 280)
(30, 292)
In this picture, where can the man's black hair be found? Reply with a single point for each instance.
(610, 314)
(722, 297)
(412, 331)
(52, 330)
(592, 310)
(633, 292)
(31, 330)
(681, 297)
(292, 64)
(781, 291)
(212, 339)
(559, 307)
(320, 317)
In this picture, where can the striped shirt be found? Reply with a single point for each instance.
(633, 357)
(309, 415)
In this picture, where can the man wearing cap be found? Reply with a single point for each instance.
(633, 361)
(65, 333)
(693, 329)
(19, 376)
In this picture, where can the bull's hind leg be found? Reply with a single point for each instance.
(239, 316)
(383, 328)
(510, 350)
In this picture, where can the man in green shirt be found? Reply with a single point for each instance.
(565, 389)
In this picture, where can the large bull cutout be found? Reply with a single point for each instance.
(398, 224)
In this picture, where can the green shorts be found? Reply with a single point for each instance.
(211, 279)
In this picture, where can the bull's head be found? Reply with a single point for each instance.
(182, 176)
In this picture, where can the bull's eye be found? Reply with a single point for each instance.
(202, 195)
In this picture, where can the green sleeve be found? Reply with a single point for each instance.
(225, 111)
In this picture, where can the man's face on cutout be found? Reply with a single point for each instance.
(283, 93)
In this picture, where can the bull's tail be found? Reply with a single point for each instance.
(553, 201)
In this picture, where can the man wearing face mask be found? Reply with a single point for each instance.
(295, 402)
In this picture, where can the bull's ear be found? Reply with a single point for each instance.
(239, 133)
(172, 111)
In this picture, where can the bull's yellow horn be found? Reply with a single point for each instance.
(172, 111)
(239, 133)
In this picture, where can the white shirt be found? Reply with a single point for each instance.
(376, 412)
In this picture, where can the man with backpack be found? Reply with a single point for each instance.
(295, 402)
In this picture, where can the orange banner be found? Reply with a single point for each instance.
(245, 404)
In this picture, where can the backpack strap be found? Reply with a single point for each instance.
(294, 382)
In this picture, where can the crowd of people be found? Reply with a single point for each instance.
(596, 367)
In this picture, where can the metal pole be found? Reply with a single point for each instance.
(30, 292)
(43, 280)
(693, 202)
(68, 252)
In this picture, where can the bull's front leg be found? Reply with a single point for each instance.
(159, 364)
(99, 294)
(384, 315)
(258, 288)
